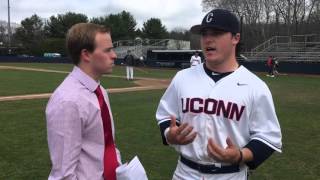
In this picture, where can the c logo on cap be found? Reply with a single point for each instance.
(209, 17)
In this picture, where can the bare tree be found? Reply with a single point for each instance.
(266, 18)
(312, 6)
(2, 34)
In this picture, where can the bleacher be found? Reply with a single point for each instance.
(140, 47)
(288, 48)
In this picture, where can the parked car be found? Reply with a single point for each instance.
(52, 55)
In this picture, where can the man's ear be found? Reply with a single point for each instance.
(236, 38)
(85, 55)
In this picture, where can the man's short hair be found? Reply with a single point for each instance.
(82, 36)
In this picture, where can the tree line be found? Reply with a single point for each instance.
(262, 19)
(36, 36)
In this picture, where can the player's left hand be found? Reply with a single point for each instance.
(230, 154)
(180, 135)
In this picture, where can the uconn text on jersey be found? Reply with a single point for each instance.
(211, 106)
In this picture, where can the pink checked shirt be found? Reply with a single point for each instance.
(75, 129)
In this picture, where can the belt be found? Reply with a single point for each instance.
(209, 169)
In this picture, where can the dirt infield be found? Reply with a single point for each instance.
(142, 83)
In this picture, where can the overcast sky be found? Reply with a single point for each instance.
(173, 13)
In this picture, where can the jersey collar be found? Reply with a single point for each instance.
(215, 76)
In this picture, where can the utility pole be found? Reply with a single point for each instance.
(9, 29)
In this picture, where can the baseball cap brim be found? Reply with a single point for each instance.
(197, 29)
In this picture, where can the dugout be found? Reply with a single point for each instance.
(170, 58)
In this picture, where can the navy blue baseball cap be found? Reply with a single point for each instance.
(220, 19)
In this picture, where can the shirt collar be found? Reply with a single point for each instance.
(85, 79)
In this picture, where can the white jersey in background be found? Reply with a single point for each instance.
(195, 60)
(238, 106)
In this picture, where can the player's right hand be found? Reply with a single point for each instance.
(180, 135)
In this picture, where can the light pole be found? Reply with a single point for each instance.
(9, 29)
(241, 43)
(138, 46)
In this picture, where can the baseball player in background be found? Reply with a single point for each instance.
(224, 122)
(270, 64)
(195, 59)
(129, 61)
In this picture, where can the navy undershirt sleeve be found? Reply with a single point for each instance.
(163, 126)
(260, 152)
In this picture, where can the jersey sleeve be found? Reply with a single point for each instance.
(263, 124)
(168, 106)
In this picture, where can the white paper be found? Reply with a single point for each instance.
(132, 171)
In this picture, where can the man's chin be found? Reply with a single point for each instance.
(214, 61)
(109, 71)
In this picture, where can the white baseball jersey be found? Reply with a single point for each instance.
(195, 60)
(238, 106)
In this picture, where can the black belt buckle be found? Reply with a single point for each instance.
(209, 169)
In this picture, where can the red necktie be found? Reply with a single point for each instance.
(110, 156)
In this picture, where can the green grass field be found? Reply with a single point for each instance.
(17, 82)
(118, 70)
(24, 151)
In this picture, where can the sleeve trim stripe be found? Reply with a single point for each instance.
(162, 121)
(269, 144)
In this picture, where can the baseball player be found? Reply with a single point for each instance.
(218, 115)
(195, 59)
(271, 66)
(129, 61)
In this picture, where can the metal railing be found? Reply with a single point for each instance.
(136, 41)
(139, 47)
(294, 39)
(294, 47)
(284, 56)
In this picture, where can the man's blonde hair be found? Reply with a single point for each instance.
(82, 36)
